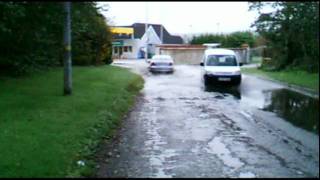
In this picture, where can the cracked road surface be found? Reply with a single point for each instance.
(180, 128)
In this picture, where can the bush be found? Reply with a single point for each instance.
(31, 36)
(292, 30)
(233, 40)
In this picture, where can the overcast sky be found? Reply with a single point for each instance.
(184, 17)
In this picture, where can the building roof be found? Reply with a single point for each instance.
(181, 46)
(219, 51)
(139, 30)
(212, 45)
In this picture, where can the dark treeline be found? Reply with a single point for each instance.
(291, 32)
(31, 36)
(232, 40)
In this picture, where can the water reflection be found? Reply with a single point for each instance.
(224, 89)
(300, 110)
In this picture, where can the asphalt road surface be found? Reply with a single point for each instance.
(181, 128)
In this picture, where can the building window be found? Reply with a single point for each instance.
(125, 49)
(130, 48)
(115, 50)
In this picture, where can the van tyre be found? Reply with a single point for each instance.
(238, 82)
(206, 80)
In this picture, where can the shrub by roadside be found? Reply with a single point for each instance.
(31, 36)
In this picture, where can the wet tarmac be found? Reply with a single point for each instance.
(182, 128)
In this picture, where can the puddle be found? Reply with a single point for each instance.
(224, 90)
(218, 148)
(247, 175)
(298, 109)
(160, 99)
(160, 162)
(204, 115)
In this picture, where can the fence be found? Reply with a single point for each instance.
(256, 54)
(192, 54)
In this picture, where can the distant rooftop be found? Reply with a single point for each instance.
(212, 45)
(139, 30)
(181, 46)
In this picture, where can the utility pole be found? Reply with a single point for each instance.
(161, 29)
(147, 39)
(67, 90)
(147, 34)
(190, 35)
(161, 33)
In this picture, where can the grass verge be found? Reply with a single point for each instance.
(295, 77)
(46, 134)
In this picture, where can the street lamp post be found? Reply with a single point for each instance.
(147, 39)
(161, 33)
(147, 34)
(67, 90)
(190, 35)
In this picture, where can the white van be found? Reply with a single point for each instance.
(221, 65)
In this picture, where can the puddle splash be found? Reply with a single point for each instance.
(298, 109)
(224, 91)
(247, 175)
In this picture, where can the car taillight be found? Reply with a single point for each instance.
(152, 64)
(170, 64)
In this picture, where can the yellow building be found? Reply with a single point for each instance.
(122, 30)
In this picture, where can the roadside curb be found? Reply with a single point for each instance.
(293, 87)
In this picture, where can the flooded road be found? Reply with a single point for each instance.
(300, 110)
(181, 128)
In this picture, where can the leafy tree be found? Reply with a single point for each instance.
(208, 38)
(232, 40)
(291, 32)
(26, 35)
(31, 36)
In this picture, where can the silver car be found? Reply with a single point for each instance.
(161, 63)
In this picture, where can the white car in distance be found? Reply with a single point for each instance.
(161, 63)
(221, 65)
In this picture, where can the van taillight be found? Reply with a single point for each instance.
(152, 64)
(170, 64)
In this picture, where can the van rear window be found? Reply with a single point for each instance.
(221, 60)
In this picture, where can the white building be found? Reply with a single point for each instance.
(129, 42)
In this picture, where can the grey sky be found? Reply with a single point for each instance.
(184, 17)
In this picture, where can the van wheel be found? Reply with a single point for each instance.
(238, 82)
(206, 80)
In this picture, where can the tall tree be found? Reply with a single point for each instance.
(31, 36)
(292, 33)
(233, 40)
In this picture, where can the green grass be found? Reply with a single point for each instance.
(44, 134)
(295, 77)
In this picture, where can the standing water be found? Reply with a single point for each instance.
(300, 110)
